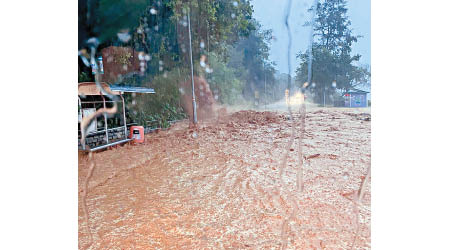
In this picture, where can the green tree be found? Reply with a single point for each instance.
(214, 25)
(331, 52)
(250, 58)
(159, 29)
(224, 81)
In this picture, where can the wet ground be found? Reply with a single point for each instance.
(218, 187)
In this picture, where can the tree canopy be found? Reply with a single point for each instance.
(332, 59)
(229, 47)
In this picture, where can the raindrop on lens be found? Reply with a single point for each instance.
(93, 41)
(345, 176)
(124, 36)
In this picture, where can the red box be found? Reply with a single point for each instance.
(137, 134)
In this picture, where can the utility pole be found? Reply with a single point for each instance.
(265, 94)
(194, 105)
(333, 84)
(324, 96)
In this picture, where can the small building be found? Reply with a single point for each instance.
(356, 98)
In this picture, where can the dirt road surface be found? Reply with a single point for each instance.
(218, 187)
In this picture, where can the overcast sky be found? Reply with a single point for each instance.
(270, 13)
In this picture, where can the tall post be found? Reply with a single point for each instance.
(333, 84)
(265, 95)
(124, 117)
(105, 118)
(194, 105)
(79, 106)
(324, 97)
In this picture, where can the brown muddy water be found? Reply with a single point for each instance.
(218, 187)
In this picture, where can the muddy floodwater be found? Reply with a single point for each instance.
(218, 186)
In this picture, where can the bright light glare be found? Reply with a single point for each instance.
(297, 99)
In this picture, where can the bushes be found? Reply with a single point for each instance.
(338, 100)
(161, 107)
(223, 82)
(83, 77)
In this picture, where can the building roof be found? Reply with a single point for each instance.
(357, 91)
(90, 88)
(132, 89)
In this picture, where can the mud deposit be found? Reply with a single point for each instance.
(219, 188)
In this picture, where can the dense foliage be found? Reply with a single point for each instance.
(234, 47)
(162, 107)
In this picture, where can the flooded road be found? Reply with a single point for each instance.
(218, 187)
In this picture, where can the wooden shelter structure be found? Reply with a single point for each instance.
(90, 99)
